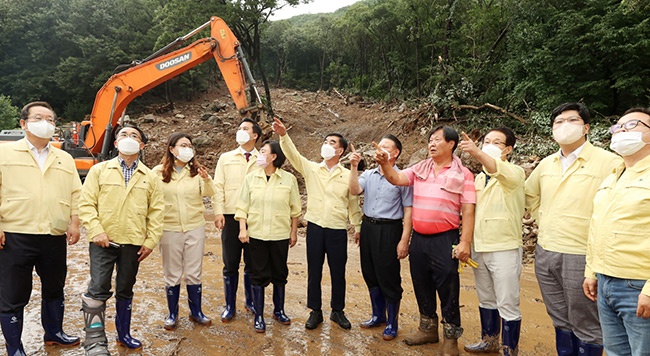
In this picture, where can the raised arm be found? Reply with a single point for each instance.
(355, 158)
(295, 158)
(509, 176)
(391, 175)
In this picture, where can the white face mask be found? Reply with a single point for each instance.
(242, 137)
(128, 146)
(41, 128)
(627, 143)
(185, 154)
(567, 133)
(261, 161)
(492, 151)
(327, 151)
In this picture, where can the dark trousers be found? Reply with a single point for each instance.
(333, 243)
(102, 261)
(269, 262)
(231, 248)
(379, 263)
(434, 271)
(20, 255)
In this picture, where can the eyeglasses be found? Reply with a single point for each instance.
(134, 136)
(570, 119)
(185, 145)
(627, 126)
(49, 119)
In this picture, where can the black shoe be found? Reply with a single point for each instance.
(315, 318)
(338, 316)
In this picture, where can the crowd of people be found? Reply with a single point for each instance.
(592, 255)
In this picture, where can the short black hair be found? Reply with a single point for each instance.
(396, 141)
(342, 141)
(24, 112)
(510, 136)
(581, 108)
(637, 109)
(256, 128)
(133, 126)
(448, 132)
(275, 149)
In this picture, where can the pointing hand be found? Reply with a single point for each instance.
(355, 157)
(380, 155)
(278, 127)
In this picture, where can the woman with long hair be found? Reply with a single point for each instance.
(185, 183)
(267, 211)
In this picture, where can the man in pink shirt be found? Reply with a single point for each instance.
(443, 197)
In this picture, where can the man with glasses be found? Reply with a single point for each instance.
(559, 195)
(497, 244)
(618, 262)
(122, 208)
(39, 197)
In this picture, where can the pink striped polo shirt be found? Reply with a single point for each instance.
(436, 210)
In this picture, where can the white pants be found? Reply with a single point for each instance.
(182, 253)
(497, 281)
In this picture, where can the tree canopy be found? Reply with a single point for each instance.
(523, 55)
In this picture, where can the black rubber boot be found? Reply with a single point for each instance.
(390, 332)
(490, 330)
(173, 294)
(52, 320)
(230, 290)
(12, 329)
(258, 299)
(278, 304)
(510, 337)
(123, 324)
(194, 300)
(378, 309)
(248, 293)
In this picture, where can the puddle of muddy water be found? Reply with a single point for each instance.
(238, 336)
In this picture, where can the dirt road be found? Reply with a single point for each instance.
(239, 338)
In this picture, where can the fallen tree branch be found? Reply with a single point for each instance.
(339, 94)
(495, 108)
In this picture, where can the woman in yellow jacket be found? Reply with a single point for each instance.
(185, 182)
(267, 211)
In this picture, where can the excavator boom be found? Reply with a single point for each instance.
(121, 88)
(91, 141)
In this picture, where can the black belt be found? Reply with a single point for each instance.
(381, 221)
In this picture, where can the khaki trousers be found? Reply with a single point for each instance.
(182, 253)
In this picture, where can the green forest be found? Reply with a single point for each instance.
(524, 56)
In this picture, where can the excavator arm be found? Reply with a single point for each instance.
(121, 88)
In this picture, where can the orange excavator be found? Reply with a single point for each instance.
(91, 141)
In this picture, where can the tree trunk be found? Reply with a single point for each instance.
(260, 67)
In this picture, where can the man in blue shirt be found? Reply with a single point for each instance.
(385, 236)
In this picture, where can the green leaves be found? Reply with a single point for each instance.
(9, 114)
(526, 56)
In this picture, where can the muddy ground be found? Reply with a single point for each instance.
(212, 123)
(238, 336)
